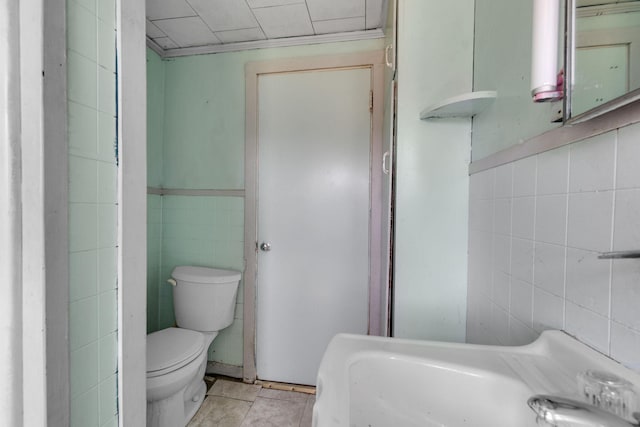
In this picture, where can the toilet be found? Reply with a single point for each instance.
(204, 302)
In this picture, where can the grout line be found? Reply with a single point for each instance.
(493, 237)
(613, 222)
(309, 15)
(533, 260)
(566, 243)
(513, 174)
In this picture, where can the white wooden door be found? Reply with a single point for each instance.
(314, 132)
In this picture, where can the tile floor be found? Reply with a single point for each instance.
(235, 404)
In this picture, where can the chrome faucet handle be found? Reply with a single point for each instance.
(556, 411)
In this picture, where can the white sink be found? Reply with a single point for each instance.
(385, 382)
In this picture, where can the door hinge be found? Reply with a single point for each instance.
(371, 101)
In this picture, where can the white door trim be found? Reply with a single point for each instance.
(45, 211)
(33, 223)
(11, 353)
(253, 70)
(132, 212)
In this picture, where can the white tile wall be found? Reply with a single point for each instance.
(592, 164)
(627, 170)
(549, 265)
(553, 172)
(539, 223)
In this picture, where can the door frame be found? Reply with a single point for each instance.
(132, 212)
(373, 60)
(33, 221)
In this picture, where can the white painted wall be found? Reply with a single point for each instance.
(435, 60)
(10, 217)
(503, 31)
(33, 218)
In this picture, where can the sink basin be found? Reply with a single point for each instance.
(385, 382)
(441, 394)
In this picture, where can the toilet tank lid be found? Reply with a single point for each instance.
(171, 349)
(205, 274)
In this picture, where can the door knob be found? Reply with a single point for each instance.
(265, 247)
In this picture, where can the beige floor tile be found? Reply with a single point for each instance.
(307, 416)
(275, 413)
(234, 390)
(282, 394)
(202, 413)
(219, 411)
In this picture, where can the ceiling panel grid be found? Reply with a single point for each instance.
(183, 24)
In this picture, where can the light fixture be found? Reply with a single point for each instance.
(546, 81)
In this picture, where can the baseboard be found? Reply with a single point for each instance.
(308, 389)
(217, 368)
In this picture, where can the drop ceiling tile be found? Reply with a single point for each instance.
(284, 21)
(339, 25)
(321, 10)
(187, 31)
(223, 15)
(153, 31)
(233, 21)
(235, 36)
(268, 3)
(165, 9)
(374, 14)
(166, 43)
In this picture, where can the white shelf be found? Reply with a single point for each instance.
(465, 105)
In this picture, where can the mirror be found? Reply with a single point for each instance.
(605, 58)
(601, 74)
(502, 63)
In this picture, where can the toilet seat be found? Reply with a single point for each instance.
(170, 349)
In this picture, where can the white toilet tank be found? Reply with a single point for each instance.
(204, 299)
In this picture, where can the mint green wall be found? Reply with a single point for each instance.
(502, 62)
(92, 212)
(435, 59)
(154, 258)
(155, 118)
(203, 148)
(155, 129)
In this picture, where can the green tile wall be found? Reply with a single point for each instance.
(208, 232)
(92, 212)
(155, 118)
(154, 254)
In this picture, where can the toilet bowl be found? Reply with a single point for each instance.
(177, 357)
